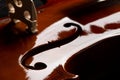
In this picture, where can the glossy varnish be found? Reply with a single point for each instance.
(12, 45)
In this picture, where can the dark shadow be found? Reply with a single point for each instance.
(97, 62)
(9, 33)
(60, 74)
(83, 13)
(13, 45)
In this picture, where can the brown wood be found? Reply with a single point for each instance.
(12, 46)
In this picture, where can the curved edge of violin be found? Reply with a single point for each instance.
(49, 45)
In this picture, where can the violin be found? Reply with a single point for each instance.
(76, 40)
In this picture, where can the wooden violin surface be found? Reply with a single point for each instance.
(100, 18)
(99, 61)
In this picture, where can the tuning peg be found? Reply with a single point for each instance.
(23, 11)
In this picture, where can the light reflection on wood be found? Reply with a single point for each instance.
(58, 56)
(12, 47)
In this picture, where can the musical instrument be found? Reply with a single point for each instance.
(61, 62)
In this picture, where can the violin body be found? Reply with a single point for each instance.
(92, 54)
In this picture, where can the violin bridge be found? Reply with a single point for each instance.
(23, 11)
